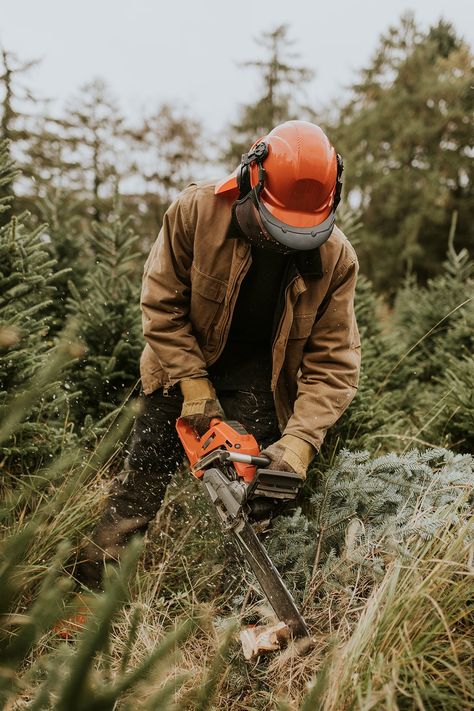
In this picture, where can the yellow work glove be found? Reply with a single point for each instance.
(200, 404)
(290, 454)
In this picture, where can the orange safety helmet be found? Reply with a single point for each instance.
(292, 177)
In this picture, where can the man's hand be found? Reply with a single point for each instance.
(200, 404)
(290, 454)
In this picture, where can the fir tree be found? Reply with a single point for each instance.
(363, 508)
(168, 147)
(458, 419)
(27, 290)
(58, 175)
(13, 120)
(405, 136)
(280, 78)
(433, 342)
(64, 239)
(94, 129)
(107, 311)
(372, 411)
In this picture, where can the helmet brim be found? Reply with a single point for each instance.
(228, 184)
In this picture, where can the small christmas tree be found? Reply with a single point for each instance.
(364, 509)
(27, 290)
(107, 311)
(372, 410)
(433, 343)
(65, 242)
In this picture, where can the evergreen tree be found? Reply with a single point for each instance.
(56, 168)
(108, 316)
(433, 342)
(405, 136)
(362, 508)
(280, 79)
(434, 319)
(27, 290)
(372, 411)
(13, 120)
(168, 148)
(458, 387)
(94, 129)
(64, 239)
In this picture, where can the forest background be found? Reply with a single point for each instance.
(381, 539)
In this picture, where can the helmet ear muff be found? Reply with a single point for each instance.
(256, 155)
(243, 176)
(337, 193)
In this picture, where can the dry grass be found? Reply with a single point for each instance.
(411, 644)
(403, 643)
(407, 644)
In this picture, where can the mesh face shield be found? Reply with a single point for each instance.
(246, 217)
(263, 229)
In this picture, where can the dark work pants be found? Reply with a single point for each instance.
(154, 455)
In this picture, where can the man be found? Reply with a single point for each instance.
(248, 310)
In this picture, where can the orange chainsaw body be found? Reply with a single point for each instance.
(210, 457)
(230, 436)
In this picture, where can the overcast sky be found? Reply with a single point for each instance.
(188, 51)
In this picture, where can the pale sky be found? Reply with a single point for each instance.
(188, 51)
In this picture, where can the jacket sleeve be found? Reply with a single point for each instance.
(331, 361)
(165, 298)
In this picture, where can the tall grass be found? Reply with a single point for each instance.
(162, 635)
(413, 646)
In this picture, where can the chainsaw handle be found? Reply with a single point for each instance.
(256, 461)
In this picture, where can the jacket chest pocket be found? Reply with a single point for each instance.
(207, 295)
(301, 327)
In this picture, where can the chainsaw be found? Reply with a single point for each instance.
(236, 478)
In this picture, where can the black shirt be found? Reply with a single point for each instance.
(246, 361)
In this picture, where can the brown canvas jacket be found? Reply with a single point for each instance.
(190, 286)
